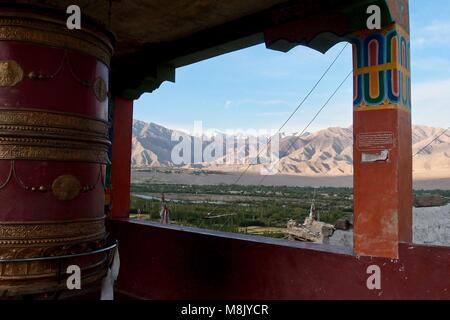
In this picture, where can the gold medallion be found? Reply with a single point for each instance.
(11, 73)
(66, 188)
(100, 89)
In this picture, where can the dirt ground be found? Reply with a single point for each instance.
(251, 179)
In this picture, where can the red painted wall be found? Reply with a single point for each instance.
(121, 157)
(177, 263)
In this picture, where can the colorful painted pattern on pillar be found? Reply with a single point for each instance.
(399, 10)
(382, 67)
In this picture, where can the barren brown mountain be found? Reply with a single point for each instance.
(326, 152)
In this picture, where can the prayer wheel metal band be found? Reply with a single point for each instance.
(41, 135)
(58, 232)
(34, 29)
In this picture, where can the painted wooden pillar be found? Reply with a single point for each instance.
(121, 158)
(382, 141)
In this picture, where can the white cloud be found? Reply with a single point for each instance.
(431, 103)
(436, 91)
(435, 34)
(431, 64)
(274, 114)
(253, 102)
(228, 104)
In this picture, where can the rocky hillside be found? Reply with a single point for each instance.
(325, 152)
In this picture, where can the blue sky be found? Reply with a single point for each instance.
(257, 88)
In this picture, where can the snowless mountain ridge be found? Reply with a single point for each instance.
(325, 152)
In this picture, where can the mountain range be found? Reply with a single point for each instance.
(326, 152)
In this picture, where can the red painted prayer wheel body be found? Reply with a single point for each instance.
(53, 147)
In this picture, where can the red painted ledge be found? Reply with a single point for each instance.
(171, 262)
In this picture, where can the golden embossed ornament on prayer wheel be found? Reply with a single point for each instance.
(53, 149)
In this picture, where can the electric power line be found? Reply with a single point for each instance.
(295, 111)
(316, 115)
(432, 141)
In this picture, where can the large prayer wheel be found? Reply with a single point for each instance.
(53, 147)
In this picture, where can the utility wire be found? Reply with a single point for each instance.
(295, 111)
(292, 114)
(432, 141)
(315, 116)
